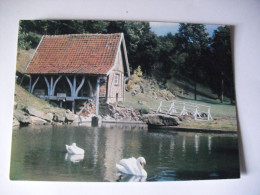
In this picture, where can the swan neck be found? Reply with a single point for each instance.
(139, 165)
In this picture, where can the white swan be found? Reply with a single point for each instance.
(132, 166)
(74, 157)
(73, 149)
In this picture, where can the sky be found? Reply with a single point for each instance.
(162, 28)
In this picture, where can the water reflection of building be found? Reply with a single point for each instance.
(114, 145)
(95, 147)
(184, 144)
(197, 140)
(209, 143)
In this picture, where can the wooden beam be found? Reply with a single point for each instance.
(34, 84)
(51, 85)
(80, 86)
(97, 96)
(30, 83)
(48, 85)
(73, 106)
(74, 85)
(90, 88)
(70, 84)
(54, 85)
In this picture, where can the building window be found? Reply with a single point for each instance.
(116, 79)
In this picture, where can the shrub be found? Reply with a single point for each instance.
(143, 111)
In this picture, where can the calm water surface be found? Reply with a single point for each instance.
(38, 153)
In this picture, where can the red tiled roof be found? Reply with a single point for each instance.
(77, 54)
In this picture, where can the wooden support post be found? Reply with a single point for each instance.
(97, 97)
(74, 85)
(71, 88)
(51, 85)
(30, 84)
(80, 86)
(73, 106)
(48, 85)
(90, 88)
(54, 85)
(34, 84)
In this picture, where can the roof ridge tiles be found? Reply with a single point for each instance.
(83, 34)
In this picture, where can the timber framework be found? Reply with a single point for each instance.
(71, 69)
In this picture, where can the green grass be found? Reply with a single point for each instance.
(23, 98)
(217, 109)
(224, 115)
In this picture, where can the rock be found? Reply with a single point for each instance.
(116, 115)
(134, 116)
(38, 121)
(133, 93)
(48, 117)
(34, 112)
(58, 118)
(70, 117)
(22, 117)
(161, 120)
(141, 102)
(15, 122)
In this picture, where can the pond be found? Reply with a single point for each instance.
(39, 153)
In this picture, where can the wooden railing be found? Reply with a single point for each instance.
(184, 108)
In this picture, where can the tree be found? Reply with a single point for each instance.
(222, 75)
(194, 42)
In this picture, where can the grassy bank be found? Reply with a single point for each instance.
(23, 98)
(224, 115)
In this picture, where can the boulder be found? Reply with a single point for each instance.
(134, 115)
(38, 121)
(70, 117)
(58, 118)
(48, 117)
(22, 117)
(34, 112)
(161, 120)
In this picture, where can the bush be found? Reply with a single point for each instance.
(136, 79)
(143, 111)
(130, 85)
(28, 40)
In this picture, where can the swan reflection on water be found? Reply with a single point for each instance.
(74, 157)
(131, 178)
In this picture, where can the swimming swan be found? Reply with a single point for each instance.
(73, 149)
(74, 157)
(132, 166)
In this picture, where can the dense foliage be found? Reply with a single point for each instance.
(191, 54)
